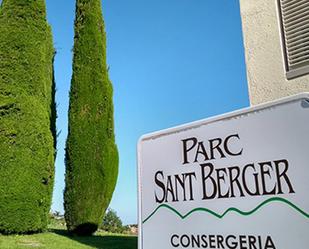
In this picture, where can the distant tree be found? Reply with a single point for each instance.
(27, 116)
(112, 223)
(91, 153)
(56, 214)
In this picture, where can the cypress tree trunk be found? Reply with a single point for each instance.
(27, 116)
(91, 153)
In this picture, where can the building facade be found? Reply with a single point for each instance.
(276, 41)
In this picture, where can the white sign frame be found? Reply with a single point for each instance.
(193, 125)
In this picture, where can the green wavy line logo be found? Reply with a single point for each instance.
(232, 209)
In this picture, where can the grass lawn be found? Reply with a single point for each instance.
(58, 238)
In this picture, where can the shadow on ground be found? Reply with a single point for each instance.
(101, 242)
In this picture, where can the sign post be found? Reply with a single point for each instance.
(236, 181)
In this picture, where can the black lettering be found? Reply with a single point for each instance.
(182, 184)
(201, 150)
(212, 241)
(260, 242)
(182, 240)
(242, 242)
(252, 241)
(190, 184)
(234, 179)
(186, 149)
(256, 182)
(204, 178)
(204, 241)
(233, 244)
(283, 174)
(226, 147)
(172, 240)
(161, 185)
(169, 189)
(269, 243)
(221, 178)
(215, 147)
(265, 171)
(220, 240)
(195, 240)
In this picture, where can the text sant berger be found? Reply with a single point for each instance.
(174, 188)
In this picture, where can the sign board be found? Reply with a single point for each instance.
(236, 181)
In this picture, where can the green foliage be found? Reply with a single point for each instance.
(56, 221)
(112, 223)
(61, 239)
(26, 117)
(91, 153)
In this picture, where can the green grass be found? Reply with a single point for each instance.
(59, 238)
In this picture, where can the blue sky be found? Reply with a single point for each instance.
(171, 62)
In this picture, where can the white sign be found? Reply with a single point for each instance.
(236, 181)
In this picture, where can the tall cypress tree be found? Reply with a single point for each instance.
(27, 116)
(91, 153)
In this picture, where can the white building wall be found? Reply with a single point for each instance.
(264, 57)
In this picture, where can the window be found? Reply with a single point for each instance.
(294, 21)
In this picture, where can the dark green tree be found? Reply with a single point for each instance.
(91, 153)
(111, 222)
(27, 116)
